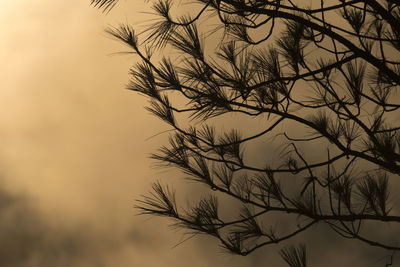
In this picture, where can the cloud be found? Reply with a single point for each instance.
(75, 140)
(28, 239)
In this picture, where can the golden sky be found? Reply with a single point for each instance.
(75, 146)
(74, 150)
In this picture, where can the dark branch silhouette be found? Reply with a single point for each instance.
(328, 73)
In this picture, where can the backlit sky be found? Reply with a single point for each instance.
(74, 150)
(74, 147)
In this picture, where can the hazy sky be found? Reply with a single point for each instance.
(74, 148)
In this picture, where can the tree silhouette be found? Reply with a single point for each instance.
(320, 77)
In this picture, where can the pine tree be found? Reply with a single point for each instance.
(320, 77)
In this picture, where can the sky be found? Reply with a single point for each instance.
(75, 146)
(74, 154)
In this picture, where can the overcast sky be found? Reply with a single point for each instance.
(74, 147)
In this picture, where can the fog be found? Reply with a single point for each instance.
(75, 146)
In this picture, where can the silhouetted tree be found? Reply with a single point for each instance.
(321, 77)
